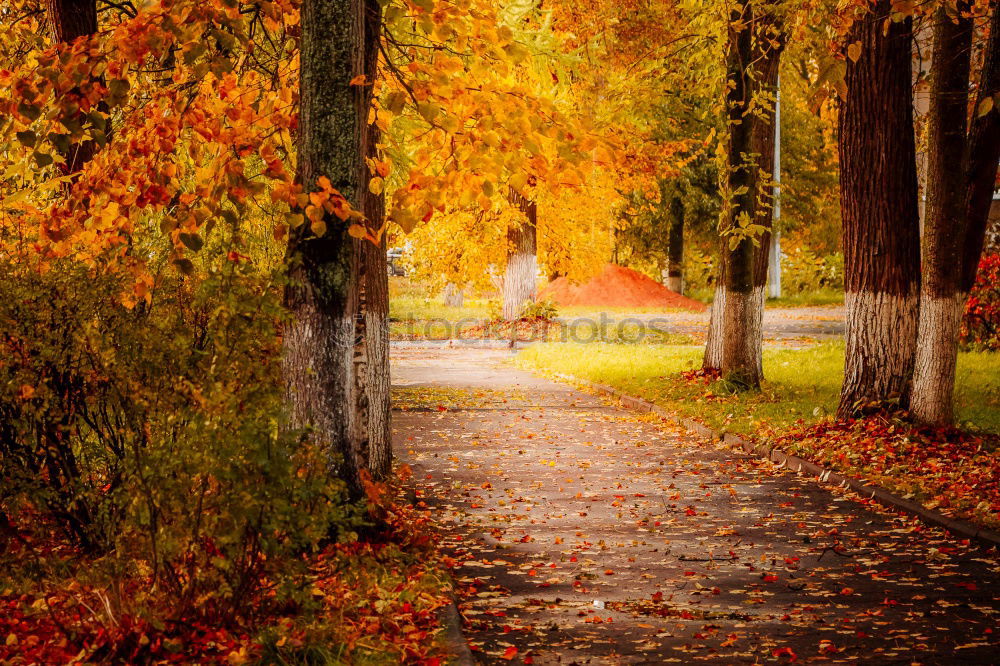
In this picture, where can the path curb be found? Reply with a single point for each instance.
(455, 642)
(764, 450)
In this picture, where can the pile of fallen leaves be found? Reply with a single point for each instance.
(952, 471)
(377, 599)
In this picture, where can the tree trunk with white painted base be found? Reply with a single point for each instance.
(519, 278)
(880, 215)
(322, 296)
(375, 313)
(754, 46)
(961, 175)
(713, 346)
(944, 221)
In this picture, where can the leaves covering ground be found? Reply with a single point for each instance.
(957, 472)
(373, 601)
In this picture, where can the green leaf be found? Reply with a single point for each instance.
(29, 111)
(27, 138)
(184, 266)
(192, 241)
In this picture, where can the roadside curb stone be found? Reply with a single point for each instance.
(764, 450)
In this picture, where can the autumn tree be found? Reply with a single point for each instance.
(879, 207)
(755, 39)
(961, 174)
(322, 255)
(521, 270)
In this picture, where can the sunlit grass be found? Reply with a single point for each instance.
(800, 383)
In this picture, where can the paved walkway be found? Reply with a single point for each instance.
(590, 535)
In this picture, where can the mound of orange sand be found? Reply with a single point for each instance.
(617, 286)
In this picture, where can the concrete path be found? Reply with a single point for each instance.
(590, 535)
(779, 324)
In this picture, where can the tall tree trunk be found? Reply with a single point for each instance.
(68, 21)
(753, 54)
(376, 286)
(675, 246)
(519, 286)
(958, 205)
(371, 340)
(984, 155)
(941, 297)
(322, 296)
(880, 218)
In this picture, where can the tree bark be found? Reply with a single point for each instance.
(753, 54)
(675, 246)
(941, 299)
(68, 21)
(323, 270)
(71, 19)
(962, 175)
(984, 155)
(519, 286)
(880, 215)
(713, 346)
(371, 352)
(453, 297)
(377, 385)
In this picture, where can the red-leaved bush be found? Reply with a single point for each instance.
(981, 325)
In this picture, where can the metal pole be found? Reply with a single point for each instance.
(774, 256)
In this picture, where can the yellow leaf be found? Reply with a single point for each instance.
(11, 639)
(357, 231)
(854, 51)
(985, 106)
(314, 213)
(359, 80)
(375, 185)
(318, 227)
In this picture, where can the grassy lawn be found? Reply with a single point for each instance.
(801, 383)
(953, 471)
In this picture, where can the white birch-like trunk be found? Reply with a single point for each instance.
(519, 286)
(937, 355)
(713, 346)
(741, 353)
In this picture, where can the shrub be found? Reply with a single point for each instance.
(544, 310)
(802, 270)
(154, 437)
(981, 324)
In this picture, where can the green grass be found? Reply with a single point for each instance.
(801, 383)
(412, 307)
(808, 299)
